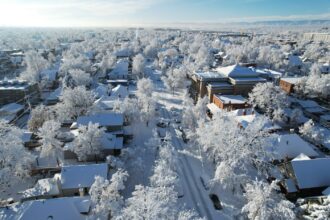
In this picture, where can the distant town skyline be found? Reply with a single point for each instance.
(115, 13)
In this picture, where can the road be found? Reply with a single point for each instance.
(195, 196)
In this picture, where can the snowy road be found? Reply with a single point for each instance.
(195, 196)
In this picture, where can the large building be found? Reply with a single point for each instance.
(325, 37)
(230, 80)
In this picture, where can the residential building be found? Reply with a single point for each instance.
(288, 83)
(18, 91)
(230, 102)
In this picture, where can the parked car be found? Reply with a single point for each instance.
(163, 123)
(216, 202)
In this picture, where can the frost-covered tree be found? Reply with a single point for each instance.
(15, 160)
(175, 78)
(235, 150)
(35, 64)
(107, 201)
(145, 97)
(150, 203)
(107, 63)
(80, 77)
(128, 108)
(88, 142)
(311, 132)
(51, 146)
(265, 203)
(269, 98)
(74, 102)
(316, 211)
(138, 65)
(38, 116)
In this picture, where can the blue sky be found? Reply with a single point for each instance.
(139, 12)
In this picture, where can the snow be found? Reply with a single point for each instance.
(326, 192)
(312, 173)
(237, 71)
(301, 157)
(233, 99)
(103, 119)
(241, 80)
(119, 91)
(55, 95)
(72, 178)
(26, 137)
(213, 108)
(208, 75)
(245, 120)
(318, 109)
(120, 70)
(307, 103)
(290, 186)
(220, 85)
(291, 80)
(291, 145)
(65, 208)
(13, 85)
(11, 108)
(101, 90)
(44, 187)
(325, 117)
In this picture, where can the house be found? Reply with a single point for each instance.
(287, 84)
(224, 88)
(244, 121)
(101, 90)
(311, 109)
(325, 68)
(317, 37)
(311, 176)
(119, 92)
(43, 189)
(289, 146)
(120, 71)
(110, 145)
(110, 121)
(66, 208)
(54, 96)
(76, 179)
(11, 111)
(230, 102)
(18, 91)
(45, 165)
(116, 82)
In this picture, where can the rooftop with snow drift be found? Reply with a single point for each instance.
(233, 99)
(237, 71)
(103, 119)
(81, 176)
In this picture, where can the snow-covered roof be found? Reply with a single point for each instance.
(291, 145)
(49, 74)
(14, 84)
(295, 60)
(301, 157)
(245, 120)
(11, 108)
(233, 99)
(213, 108)
(236, 70)
(120, 69)
(101, 90)
(46, 162)
(26, 137)
(307, 103)
(290, 186)
(312, 173)
(44, 187)
(325, 117)
(326, 192)
(81, 176)
(291, 80)
(209, 75)
(249, 80)
(55, 209)
(55, 95)
(220, 85)
(270, 73)
(103, 119)
(119, 91)
(317, 109)
(111, 141)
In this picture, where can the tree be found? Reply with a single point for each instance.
(105, 195)
(38, 116)
(265, 203)
(15, 160)
(316, 211)
(176, 78)
(128, 108)
(35, 64)
(145, 98)
(150, 203)
(107, 63)
(80, 77)
(51, 146)
(311, 132)
(138, 65)
(88, 142)
(74, 102)
(269, 98)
